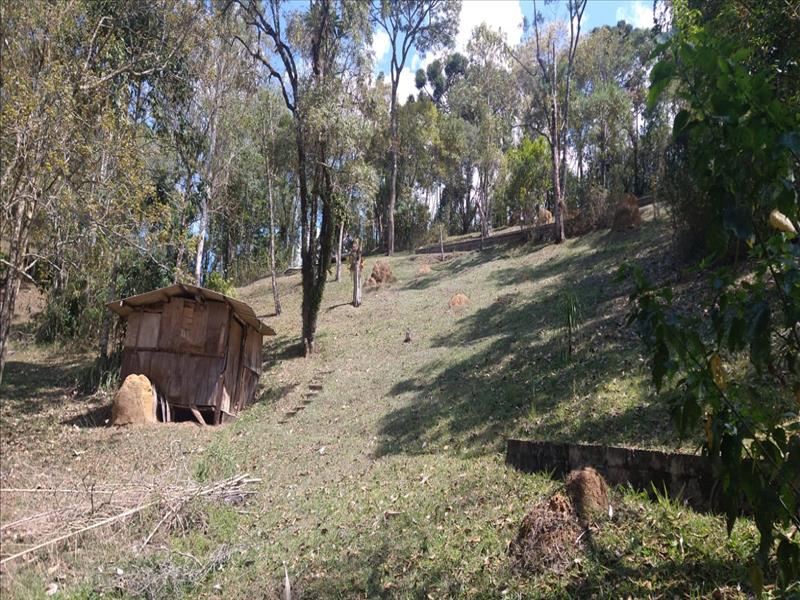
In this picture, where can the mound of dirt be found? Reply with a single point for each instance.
(549, 538)
(381, 273)
(589, 493)
(458, 301)
(424, 269)
(544, 216)
(134, 402)
(626, 214)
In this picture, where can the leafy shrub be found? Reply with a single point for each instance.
(736, 375)
(215, 281)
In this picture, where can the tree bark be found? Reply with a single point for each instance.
(355, 267)
(201, 242)
(393, 176)
(273, 275)
(555, 150)
(105, 331)
(339, 252)
(182, 239)
(15, 267)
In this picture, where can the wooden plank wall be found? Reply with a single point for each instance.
(180, 345)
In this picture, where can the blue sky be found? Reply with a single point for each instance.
(507, 16)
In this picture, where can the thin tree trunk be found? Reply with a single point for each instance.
(355, 267)
(201, 242)
(273, 276)
(441, 241)
(393, 177)
(339, 252)
(105, 331)
(555, 146)
(19, 248)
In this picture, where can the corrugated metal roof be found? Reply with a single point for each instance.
(126, 306)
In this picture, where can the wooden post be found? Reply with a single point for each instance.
(356, 266)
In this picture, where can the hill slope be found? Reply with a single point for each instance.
(382, 460)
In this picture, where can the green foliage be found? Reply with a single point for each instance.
(411, 223)
(528, 179)
(217, 282)
(735, 372)
(76, 308)
(571, 317)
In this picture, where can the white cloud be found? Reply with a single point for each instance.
(405, 86)
(380, 44)
(638, 14)
(505, 15)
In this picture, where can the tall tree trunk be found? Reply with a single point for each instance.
(201, 243)
(230, 251)
(555, 149)
(273, 275)
(355, 267)
(339, 252)
(316, 256)
(393, 177)
(441, 242)
(637, 187)
(15, 267)
(182, 228)
(105, 330)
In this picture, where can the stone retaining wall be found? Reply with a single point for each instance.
(685, 476)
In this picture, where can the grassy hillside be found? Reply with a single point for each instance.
(389, 480)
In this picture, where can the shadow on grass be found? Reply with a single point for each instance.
(30, 387)
(450, 268)
(393, 564)
(680, 579)
(98, 416)
(518, 366)
(280, 349)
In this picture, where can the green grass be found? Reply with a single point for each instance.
(391, 483)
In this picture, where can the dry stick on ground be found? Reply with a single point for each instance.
(232, 486)
(61, 538)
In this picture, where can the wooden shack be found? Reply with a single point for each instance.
(201, 350)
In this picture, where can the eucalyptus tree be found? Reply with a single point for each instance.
(68, 141)
(270, 109)
(310, 53)
(460, 156)
(491, 108)
(549, 72)
(225, 73)
(422, 26)
(610, 75)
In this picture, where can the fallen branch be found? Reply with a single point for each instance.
(227, 488)
(66, 536)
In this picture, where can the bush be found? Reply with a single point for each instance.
(215, 281)
(736, 375)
